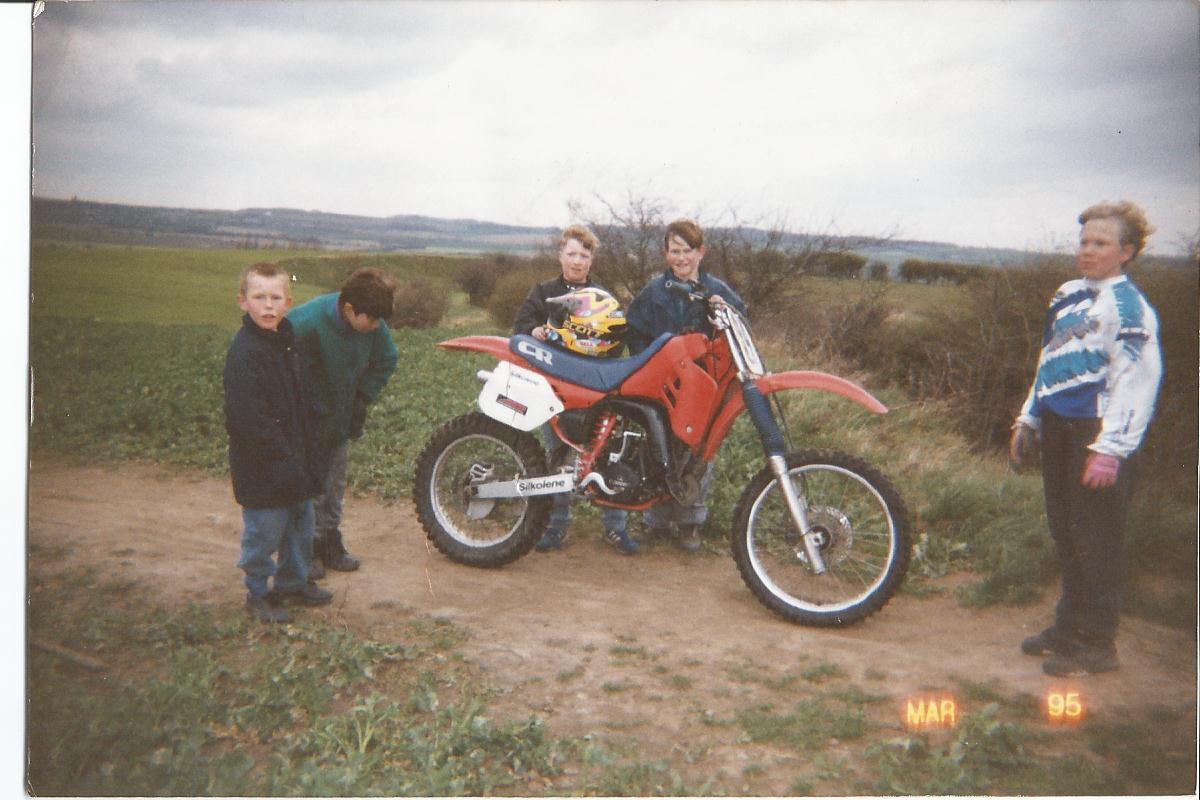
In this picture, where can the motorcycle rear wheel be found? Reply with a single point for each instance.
(471, 449)
(864, 540)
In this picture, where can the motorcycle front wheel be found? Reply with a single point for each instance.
(862, 531)
(469, 450)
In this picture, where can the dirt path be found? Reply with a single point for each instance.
(566, 628)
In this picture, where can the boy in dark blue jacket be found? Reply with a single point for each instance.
(271, 416)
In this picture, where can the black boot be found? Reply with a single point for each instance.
(316, 568)
(335, 555)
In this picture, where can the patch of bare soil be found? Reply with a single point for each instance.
(653, 647)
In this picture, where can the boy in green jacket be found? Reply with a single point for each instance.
(345, 340)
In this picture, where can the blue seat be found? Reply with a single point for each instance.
(600, 374)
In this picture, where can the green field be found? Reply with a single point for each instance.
(126, 348)
(127, 345)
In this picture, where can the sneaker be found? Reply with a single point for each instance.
(1050, 640)
(689, 539)
(310, 595)
(263, 610)
(552, 539)
(1083, 660)
(621, 541)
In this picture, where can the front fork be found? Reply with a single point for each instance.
(774, 448)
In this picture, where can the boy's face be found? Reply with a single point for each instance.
(683, 260)
(266, 300)
(1101, 255)
(363, 323)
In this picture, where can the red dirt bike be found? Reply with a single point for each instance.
(819, 536)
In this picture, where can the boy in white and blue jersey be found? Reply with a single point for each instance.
(1091, 401)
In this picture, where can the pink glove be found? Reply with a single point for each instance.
(1100, 471)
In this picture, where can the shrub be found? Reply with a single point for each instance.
(1171, 443)
(846, 329)
(838, 264)
(419, 303)
(512, 289)
(878, 271)
(981, 354)
(915, 270)
(478, 279)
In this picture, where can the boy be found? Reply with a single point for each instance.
(273, 459)
(346, 342)
(657, 310)
(1091, 401)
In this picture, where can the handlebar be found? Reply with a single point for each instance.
(692, 289)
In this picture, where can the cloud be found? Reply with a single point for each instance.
(935, 115)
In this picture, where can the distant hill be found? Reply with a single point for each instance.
(83, 220)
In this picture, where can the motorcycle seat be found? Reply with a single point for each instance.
(599, 374)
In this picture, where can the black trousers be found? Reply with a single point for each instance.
(1087, 526)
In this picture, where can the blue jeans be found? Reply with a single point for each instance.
(663, 514)
(613, 519)
(288, 531)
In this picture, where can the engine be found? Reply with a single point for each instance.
(626, 466)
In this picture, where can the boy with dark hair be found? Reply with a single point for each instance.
(345, 340)
(272, 420)
(657, 310)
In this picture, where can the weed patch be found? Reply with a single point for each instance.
(811, 724)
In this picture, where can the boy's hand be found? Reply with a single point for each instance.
(1022, 448)
(1100, 471)
(358, 416)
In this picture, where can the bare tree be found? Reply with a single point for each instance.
(630, 240)
(762, 261)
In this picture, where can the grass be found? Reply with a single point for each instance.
(197, 700)
(200, 701)
(127, 346)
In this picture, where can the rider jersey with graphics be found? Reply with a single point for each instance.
(1100, 359)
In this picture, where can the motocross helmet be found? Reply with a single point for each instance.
(588, 321)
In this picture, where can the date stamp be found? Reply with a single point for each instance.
(930, 713)
(1064, 707)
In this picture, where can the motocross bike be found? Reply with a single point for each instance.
(819, 536)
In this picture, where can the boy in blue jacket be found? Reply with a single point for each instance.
(272, 420)
(348, 347)
(657, 310)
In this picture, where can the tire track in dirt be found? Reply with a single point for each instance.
(663, 627)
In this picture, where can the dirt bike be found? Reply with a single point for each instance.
(819, 536)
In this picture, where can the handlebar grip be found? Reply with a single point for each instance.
(689, 288)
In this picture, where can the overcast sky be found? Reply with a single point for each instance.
(984, 123)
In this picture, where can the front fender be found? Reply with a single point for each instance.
(796, 379)
(822, 381)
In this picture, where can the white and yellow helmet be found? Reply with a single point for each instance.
(592, 323)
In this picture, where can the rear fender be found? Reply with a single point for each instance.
(494, 346)
(572, 396)
(797, 379)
